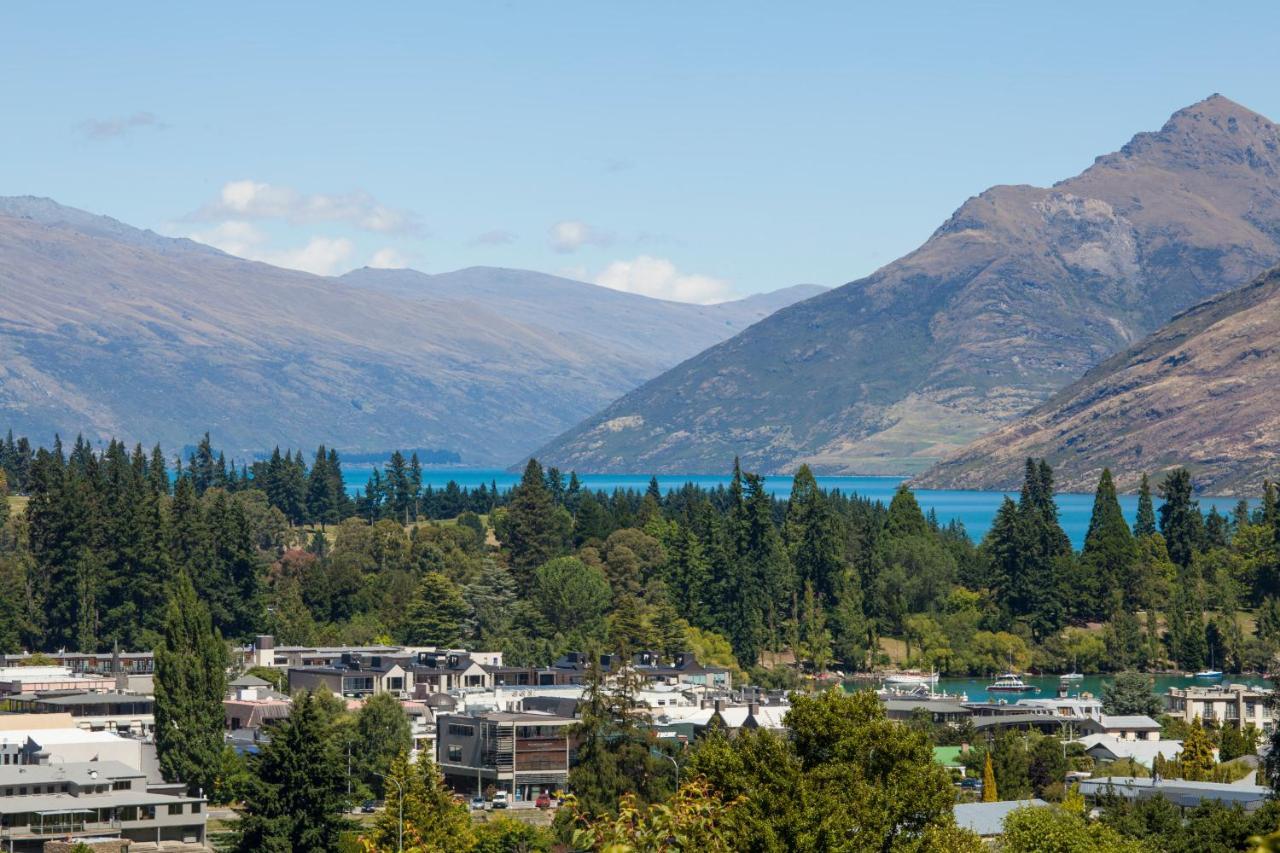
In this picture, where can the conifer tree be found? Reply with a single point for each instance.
(1109, 549)
(989, 792)
(1195, 762)
(190, 684)
(433, 819)
(1180, 520)
(533, 534)
(297, 801)
(436, 616)
(815, 536)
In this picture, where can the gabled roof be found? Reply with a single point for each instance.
(1144, 752)
(249, 681)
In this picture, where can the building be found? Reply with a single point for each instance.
(936, 710)
(109, 711)
(15, 680)
(1072, 707)
(251, 705)
(987, 819)
(354, 676)
(66, 745)
(1125, 727)
(98, 799)
(440, 672)
(1103, 747)
(1237, 705)
(524, 753)
(1186, 795)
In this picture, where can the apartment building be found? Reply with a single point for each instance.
(1236, 705)
(523, 753)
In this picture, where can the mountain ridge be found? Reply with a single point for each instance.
(1199, 392)
(120, 332)
(1019, 292)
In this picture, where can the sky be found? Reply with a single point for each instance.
(691, 151)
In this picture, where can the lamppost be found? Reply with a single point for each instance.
(657, 753)
(400, 798)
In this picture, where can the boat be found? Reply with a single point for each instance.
(910, 679)
(1209, 675)
(1072, 675)
(1010, 682)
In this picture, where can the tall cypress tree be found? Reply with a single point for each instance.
(1109, 550)
(190, 684)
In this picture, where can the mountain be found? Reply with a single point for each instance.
(1203, 391)
(1017, 294)
(111, 330)
(655, 334)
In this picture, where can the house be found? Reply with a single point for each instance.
(1073, 707)
(525, 753)
(1123, 726)
(1236, 705)
(1180, 792)
(440, 672)
(251, 705)
(949, 757)
(1103, 747)
(97, 799)
(354, 676)
(111, 711)
(987, 819)
(264, 652)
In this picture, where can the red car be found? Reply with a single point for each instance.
(543, 801)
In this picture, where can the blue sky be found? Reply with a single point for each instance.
(691, 150)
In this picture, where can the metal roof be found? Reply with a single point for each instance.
(1177, 791)
(987, 819)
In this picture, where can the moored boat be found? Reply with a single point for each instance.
(1010, 682)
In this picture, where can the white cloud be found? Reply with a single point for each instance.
(388, 258)
(659, 278)
(258, 200)
(106, 128)
(570, 235)
(320, 255)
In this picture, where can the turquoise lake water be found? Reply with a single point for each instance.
(973, 509)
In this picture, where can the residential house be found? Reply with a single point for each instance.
(936, 710)
(1104, 747)
(251, 706)
(1123, 726)
(354, 676)
(95, 799)
(440, 672)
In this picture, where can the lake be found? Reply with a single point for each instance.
(975, 510)
(976, 688)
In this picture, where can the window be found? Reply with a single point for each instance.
(195, 808)
(395, 683)
(175, 808)
(455, 754)
(462, 730)
(122, 785)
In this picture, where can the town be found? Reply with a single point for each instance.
(78, 755)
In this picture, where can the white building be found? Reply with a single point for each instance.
(1237, 705)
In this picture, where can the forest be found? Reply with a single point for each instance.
(92, 539)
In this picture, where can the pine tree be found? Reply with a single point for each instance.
(1195, 762)
(433, 819)
(815, 536)
(436, 616)
(989, 792)
(190, 684)
(532, 535)
(1180, 520)
(297, 801)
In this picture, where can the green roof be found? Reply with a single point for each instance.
(947, 756)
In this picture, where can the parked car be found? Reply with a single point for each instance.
(369, 807)
(478, 803)
(501, 800)
(543, 801)
(970, 782)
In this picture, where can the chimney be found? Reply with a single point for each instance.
(719, 705)
(753, 709)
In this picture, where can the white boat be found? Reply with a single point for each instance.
(910, 679)
(1071, 676)
(1010, 682)
(1209, 675)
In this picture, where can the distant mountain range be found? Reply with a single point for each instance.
(1015, 296)
(1203, 391)
(111, 330)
